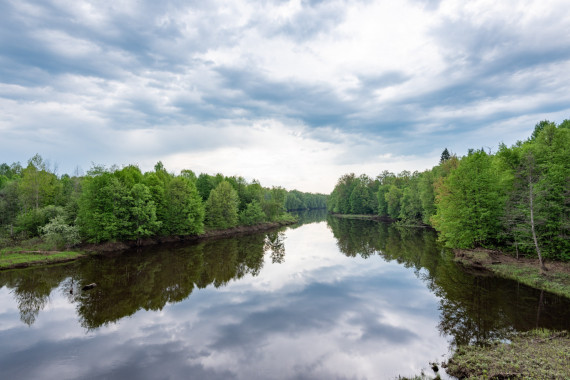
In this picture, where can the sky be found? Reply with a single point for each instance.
(291, 93)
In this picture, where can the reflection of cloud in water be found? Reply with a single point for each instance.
(343, 318)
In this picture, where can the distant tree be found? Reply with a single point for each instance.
(444, 156)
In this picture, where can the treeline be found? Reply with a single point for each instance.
(518, 197)
(122, 204)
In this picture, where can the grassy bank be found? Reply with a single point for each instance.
(556, 280)
(15, 257)
(537, 354)
(36, 252)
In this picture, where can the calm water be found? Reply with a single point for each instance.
(329, 299)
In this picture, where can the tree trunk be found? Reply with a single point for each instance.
(540, 261)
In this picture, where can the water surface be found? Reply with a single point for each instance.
(334, 299)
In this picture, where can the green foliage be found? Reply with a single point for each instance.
(222, 207)
(38, 187)
(31, 221)
(411, 204)
(117, 204)
(104, 205)
(393, 196)
(444, 156)
(9, 203)
(360, 199)
(184, 211)
(59, 234)
(480, 199)
(469, 203)
(253, 214)
(143, 212)
(273, 203)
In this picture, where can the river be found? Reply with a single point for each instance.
(328, 298)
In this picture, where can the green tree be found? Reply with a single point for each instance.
(184, 213)
(142, 213)
(359, 199)
(273, 203)
(9, 205)
(222, 207)
(469, 203)
(444, 156)
(253, 214)
(38, 187)
(410, 203)
(393, 196)
(104, 207)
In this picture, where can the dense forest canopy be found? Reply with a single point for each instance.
(517, 197)
(122, 204)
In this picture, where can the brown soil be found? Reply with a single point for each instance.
(212, 234)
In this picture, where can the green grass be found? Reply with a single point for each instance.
(15, 257)
(554, 282)
(557, 282)
(537, 354)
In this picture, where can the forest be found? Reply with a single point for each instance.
(517, 198)
(125, 204)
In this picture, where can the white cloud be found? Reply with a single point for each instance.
(292, 93)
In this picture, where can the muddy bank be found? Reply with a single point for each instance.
(212, 234)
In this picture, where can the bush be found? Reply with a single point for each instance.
(59, 234)
(31, 221)
(253, 214)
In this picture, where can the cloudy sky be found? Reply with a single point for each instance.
(293, 93)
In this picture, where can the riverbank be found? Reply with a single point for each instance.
(524, 270)
(19, 257)
(536, 354)
(12, 258)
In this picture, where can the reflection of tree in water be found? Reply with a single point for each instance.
(143, 279)
(474, 308)
(31, 288)
(308, 217)
(275, 243)
(355, 237)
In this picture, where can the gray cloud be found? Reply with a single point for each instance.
(77, 74)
